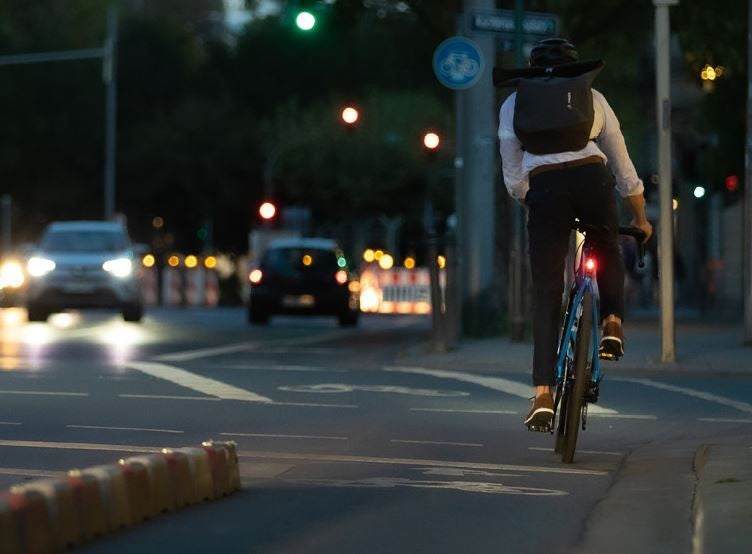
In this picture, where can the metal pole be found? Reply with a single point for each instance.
(516, 253)
(110, 79)
(747, 255)
(665, 229)
(477, 218)
(7, 203)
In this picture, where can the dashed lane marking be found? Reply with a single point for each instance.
(315, 457)
(43, 393)
(196, 382)
(273, 436)
(187, 355)
(723, 420)
(594, 452)
(108, 428)
(416, 462)
(168, 397)
(470, 444)
(506, 386)
(23, 472)
(10, 423)
(198, 353)
(450, 411)
(271, 366)
(736, 404)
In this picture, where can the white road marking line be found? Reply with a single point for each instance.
(272, 436)
(312, 405)
(506, 386)
(80, 446)
(22, 472)
(416, 462)
(723, 420)
(123, 428)
(168, 397)
(596, 452)
(186, 355)
(196, 382)
(447, 443)
(9, 423)
(44, 393)
(195, 354)
(450, 411)
(313, 457)
(271, 366)
(737, 404)
(619, 416)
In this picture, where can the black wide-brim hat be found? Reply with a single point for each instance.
(510, 77)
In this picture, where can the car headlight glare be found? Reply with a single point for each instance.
(11, 275)
(37, 267)
(119, 267)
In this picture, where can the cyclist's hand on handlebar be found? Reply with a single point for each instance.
(644, 226)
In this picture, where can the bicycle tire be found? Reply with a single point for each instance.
(561, 421)
(581, 378)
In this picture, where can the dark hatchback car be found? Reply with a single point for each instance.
(303, 277)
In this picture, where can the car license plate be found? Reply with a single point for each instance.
(78, 287)
(298, 301)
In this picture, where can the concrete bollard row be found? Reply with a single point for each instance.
(50, 515)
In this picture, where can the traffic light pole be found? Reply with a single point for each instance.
(665, 229)
(747, 255)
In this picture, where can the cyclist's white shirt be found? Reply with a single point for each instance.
(606, 142)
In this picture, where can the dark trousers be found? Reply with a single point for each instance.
(554, 200)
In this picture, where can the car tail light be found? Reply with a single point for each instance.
(590, 265)
(255, 276)
(341, 276)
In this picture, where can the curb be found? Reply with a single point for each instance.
(50, 515)
(723, 499)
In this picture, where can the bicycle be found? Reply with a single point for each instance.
(578, 373)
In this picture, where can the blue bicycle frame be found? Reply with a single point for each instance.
(584, 282)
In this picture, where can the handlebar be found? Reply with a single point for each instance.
(639, 235)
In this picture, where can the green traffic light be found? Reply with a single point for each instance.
(305, 21)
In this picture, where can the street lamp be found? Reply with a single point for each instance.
(267, 211)
(431, 141)
(350, 115)
(305, 21)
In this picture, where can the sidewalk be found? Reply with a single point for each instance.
(680, 497)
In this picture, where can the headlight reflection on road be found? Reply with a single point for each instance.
(64, 320)
(122, 339)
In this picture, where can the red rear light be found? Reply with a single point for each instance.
(255, 276)
(341, 276)
(590, 265)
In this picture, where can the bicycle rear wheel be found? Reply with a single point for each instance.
(579, 380)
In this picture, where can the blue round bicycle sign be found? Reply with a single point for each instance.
(458, 63)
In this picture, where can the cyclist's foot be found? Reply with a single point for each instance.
(539, 418)
(612, 341)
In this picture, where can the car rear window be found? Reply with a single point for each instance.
(286, 261)
(84, 241)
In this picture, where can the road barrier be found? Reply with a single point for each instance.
(50, 515)
(181, 286)
(395, 291)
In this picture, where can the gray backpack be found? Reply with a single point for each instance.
(554, 105)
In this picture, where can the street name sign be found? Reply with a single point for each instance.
(502, 21)
(458, 63)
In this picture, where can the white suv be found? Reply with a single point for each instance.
(83, 264)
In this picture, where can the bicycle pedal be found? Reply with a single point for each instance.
(608, 356)
(539, 428)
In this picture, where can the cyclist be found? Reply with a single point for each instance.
(556, 189)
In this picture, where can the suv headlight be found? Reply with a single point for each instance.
(119, 267)
(37, 267)
(11, 275)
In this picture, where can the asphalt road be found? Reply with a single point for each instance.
(344, 447)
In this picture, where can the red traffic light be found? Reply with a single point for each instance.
(732, 183)
(267, 210)
(350, 115)
(431, 141)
